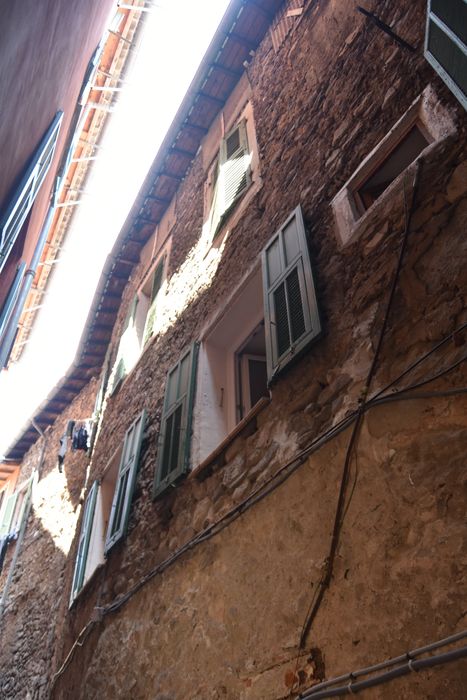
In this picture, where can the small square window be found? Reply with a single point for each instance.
(425, 122)
(404, 153)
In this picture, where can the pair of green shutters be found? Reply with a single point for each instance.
(291, 323)
(121, 502)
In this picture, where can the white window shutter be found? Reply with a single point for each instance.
(232, 175)
(7, 514)
(121, 503)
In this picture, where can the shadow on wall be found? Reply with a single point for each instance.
(28, 625)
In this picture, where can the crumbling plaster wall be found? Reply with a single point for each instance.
(224, 621)
(36, 597)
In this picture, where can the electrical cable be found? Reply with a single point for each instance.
(341, 507)
(386, 664)
(406, 663)
(284, 472)
(209, 532)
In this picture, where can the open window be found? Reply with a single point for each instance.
(229, 176)
(140, 324)
(107, 507)
(402, 155)
(269, 320)
(426, 122)
(22, 199)
(149, 297)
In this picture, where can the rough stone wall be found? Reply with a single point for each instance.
(224, 620)
(36, 597)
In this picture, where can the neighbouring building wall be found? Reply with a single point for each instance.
(34, 599)
(169, 616)
(44, 52)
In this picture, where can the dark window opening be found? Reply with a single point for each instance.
(252, 374)
(406, 151)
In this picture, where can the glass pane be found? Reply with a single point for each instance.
(172, 388)
(454, 14)
(232, 144)
(453, 60)
(291, 242)
(176, 438)
(294, 297)
(273, 261)
(128, 448)
(166, 447)
(184, 375)
(118, 513)
(281, 320)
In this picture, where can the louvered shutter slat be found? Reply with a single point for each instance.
(281, 320)
(295, 305)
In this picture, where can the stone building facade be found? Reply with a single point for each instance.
(273, 494)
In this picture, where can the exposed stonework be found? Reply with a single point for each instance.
(224, 619)
(36, 596)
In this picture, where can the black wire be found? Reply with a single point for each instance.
(341, 508)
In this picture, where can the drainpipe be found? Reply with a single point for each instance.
(34, 478)
(6, 342)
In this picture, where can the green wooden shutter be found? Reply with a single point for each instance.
(24, 195)
(156, 287)
(126, 480)
(121, 368)
(7, 514)
(290, 306)
(84, 539)
(233, 174)
(173, 451)
(446, 44)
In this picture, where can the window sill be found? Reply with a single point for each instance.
(206, 467)
(86, 585)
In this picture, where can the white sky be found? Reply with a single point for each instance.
(175, 38)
